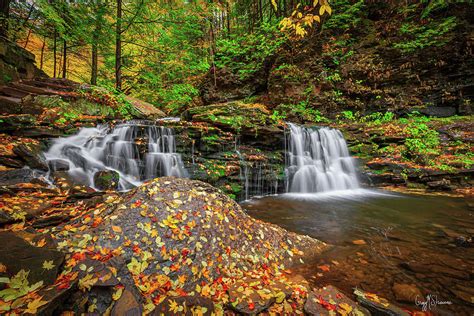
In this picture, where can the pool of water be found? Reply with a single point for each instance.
(383, 239)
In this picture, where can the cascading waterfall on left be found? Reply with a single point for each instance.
(137, 150)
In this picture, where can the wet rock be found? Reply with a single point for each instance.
(462, 241)
(39, 132)
(437, 111)
(185, 305)
(127, 304)
(231, 115)
(250, 301)
(16, 176)
(406, 292)
(55, 297)
(321, 300)
(48, 221)
(440, 185)
(189, 237)
(5, 218)
(11, 162)
(145, 110)
(106, 180)
(17, 254)
(10, 122)
(58, 165)
(378, 305)
(32, 155)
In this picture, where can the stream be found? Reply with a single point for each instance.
(382, 239)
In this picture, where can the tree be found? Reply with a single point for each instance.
(4, 16)
(118, 47)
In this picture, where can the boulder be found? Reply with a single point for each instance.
(406, 292)
(179, 236)
(58, 165)
(41, 264)
(145, 110)
(106, 180)
(16, 176)
(32, 154)
(231, 115)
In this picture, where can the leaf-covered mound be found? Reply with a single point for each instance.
(183, 238)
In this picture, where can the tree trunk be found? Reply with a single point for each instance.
(94, 62)
(64, 59)
(228, 16)
(42, 53)
(4, 15)
(55, 52)
(118, 47)
(27, 38)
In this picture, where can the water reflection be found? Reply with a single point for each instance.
(400, 239)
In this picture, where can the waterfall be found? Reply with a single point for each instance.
(137, 150)
(318, 160)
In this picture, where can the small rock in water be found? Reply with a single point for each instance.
(106, 180)
(323, 300)
(58, 165)
(378, 305)
(406, 292)
(359, 242)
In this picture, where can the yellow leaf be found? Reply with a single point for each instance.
(315, 3)
(117, 229)
(117, 294)
(322, 9)
(34, 305)
(274, 4)
(328, 9)
(280, 296)
(48, 265)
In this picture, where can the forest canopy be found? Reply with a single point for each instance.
(155, 50)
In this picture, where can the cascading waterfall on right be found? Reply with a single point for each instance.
(318, 160)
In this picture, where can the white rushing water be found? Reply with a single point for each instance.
(138, 151)
(318, 161)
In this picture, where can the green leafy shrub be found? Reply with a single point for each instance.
(301, 109)
(422, 36)
(244, 54)
(421, 142)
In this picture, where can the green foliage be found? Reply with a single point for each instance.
(302, 110)
(245, 54)
(347, 15)
(422, 36)
(379, 118)
(421, 142)
(349, 115)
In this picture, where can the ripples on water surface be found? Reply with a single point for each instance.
(420, 240)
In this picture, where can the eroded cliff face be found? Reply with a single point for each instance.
(382, 60)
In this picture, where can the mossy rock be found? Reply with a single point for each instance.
(231, 115)
(106, 180)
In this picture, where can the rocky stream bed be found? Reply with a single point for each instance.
(172, 246)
